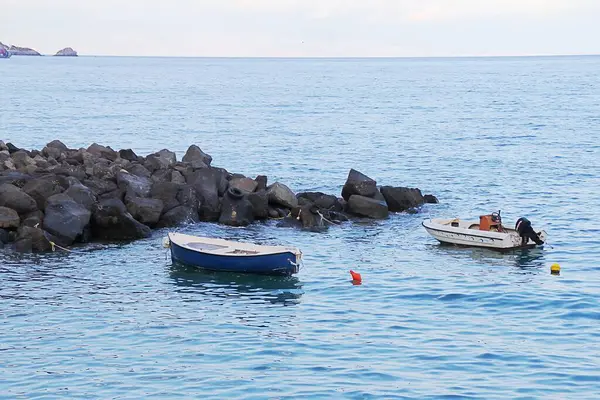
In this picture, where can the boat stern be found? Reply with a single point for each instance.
(296, 262)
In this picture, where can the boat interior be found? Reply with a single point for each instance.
(215, 248)
(488, 223)
(225, 247)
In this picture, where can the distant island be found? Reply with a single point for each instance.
(26, 51)
(67, 52)
(22, 51)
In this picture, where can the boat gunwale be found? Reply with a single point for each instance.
(472, 232)
(274, 250)
(283, 270)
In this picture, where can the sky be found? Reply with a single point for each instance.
(304, 28)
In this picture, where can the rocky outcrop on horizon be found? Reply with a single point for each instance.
(4, 53)
(26, 51)
(66, 52)
(22, 51)
(68, 196)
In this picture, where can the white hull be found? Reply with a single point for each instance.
(467, 233)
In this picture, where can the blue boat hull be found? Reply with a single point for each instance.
(271, 264)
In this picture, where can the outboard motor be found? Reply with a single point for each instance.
(524, 229)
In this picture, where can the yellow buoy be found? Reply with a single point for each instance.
(555, 269)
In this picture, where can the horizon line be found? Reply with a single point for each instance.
(326, 57)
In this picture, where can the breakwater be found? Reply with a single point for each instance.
(63, 196)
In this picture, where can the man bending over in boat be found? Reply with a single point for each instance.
(523, 227)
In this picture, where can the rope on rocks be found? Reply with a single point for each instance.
(321, 215)
(326, 220)
(53, 245)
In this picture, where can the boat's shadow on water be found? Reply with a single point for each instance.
(524, 259)
(284, 290)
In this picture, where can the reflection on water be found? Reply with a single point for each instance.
(532, 258)
(520, 258)
(25, 268)
(274, 289)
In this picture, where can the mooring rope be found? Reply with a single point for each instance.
(53, 245)
(323, 218)
(321, 215)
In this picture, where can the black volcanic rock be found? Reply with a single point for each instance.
(178, 216)
(41, 188)
(431, 199)
(65, 218)
(236, 209)
(128, 154)
(367, 207)
(31, 239)
(196, 157)
(281, 195)
(13, 197)
(112, 221)
(146, 211)
(360, 184)
(260, 204)
(65, 196)
(9, 218)
(402, 198)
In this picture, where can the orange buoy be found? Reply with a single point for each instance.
(356, 278)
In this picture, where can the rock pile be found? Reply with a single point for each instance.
(68, 196)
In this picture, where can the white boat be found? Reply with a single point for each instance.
(488, 232)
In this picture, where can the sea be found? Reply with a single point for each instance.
(516, 134)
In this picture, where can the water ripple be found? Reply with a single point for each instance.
(428, 322)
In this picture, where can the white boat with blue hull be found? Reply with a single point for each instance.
(488, 232)
(225, 255)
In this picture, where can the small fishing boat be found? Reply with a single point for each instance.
(488, 232)
(225, 255)
(4, 53)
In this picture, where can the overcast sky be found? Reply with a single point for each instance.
(304, 27)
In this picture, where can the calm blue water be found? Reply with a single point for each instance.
(517, 134)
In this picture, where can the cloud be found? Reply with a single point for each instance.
(461, 9)
(412, 10)
(302, 27)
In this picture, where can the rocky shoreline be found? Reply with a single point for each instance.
(65, 196)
